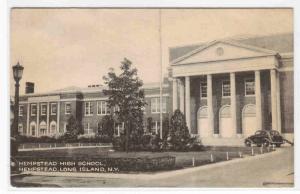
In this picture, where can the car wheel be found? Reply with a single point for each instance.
(266, 144)
(278, 145)
(248, 143)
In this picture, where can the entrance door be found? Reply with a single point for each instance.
(202, 125)
(225, 122)
(249, 120)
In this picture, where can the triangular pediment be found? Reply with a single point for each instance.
(220, 51)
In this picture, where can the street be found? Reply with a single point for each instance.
(269, 170)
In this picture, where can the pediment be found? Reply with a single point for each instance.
(221, 51)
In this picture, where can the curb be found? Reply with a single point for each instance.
(157, 175)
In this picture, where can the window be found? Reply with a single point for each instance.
(20, 129)
(116, 108)
(53, 127)
(102, 108)
(86, 128)
(155, 105)
(67, 108)
(21, 110)
(88, 108)
(53, 108)
(65, 127)
(226, 88)
(119, 128)
(43, 128)
(99, 126)
(33, 109)
(155, 128)
(43, 109)
(203, 89)
(249, 87)
(32, 128)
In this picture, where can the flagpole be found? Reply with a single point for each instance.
(161, 78)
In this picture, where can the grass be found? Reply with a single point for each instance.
(183, 159)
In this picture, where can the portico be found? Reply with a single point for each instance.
(225, 81)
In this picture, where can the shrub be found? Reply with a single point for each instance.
(194, 145)
(46, 139)
(87, 136)
(13, 146)
(178, 138)
(73, 127)
(166, 127)
(179, 135)
(68, 138)
(119, 143)
(93, 138)
(145, 141)
(149, 124)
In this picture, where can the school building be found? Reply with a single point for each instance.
(227, 89)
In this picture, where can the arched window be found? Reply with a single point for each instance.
(43, 128)
(20, 129)
(53, 127)
(249, 110)
(33, 128)
(202, 112)
(225, 111)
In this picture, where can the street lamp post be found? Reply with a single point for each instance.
(17, 72)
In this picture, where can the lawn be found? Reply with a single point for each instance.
(183, 159)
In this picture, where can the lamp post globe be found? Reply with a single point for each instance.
(17, 73)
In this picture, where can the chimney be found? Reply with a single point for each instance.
(29, 88)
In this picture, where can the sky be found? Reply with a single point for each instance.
(76, 47)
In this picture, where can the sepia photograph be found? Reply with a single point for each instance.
(151, 97)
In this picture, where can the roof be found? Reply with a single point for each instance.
(75, 89)
(281, 43)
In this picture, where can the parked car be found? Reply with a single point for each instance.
(266, 138)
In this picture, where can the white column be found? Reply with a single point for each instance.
(181, 95)
(28, 114)
(48, 112)
(210, 104)
(274, 98)
(37, 119)
(58, 114)
(233, 102)
(258, 101)
(188, 102)
(278, 103)
(174, 94)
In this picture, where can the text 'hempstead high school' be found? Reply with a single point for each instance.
(227, 89)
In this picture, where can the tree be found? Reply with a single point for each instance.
(73, 127)
(179, 132)
(107, 126)
(124, 92)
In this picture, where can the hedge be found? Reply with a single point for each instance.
(64, 139)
